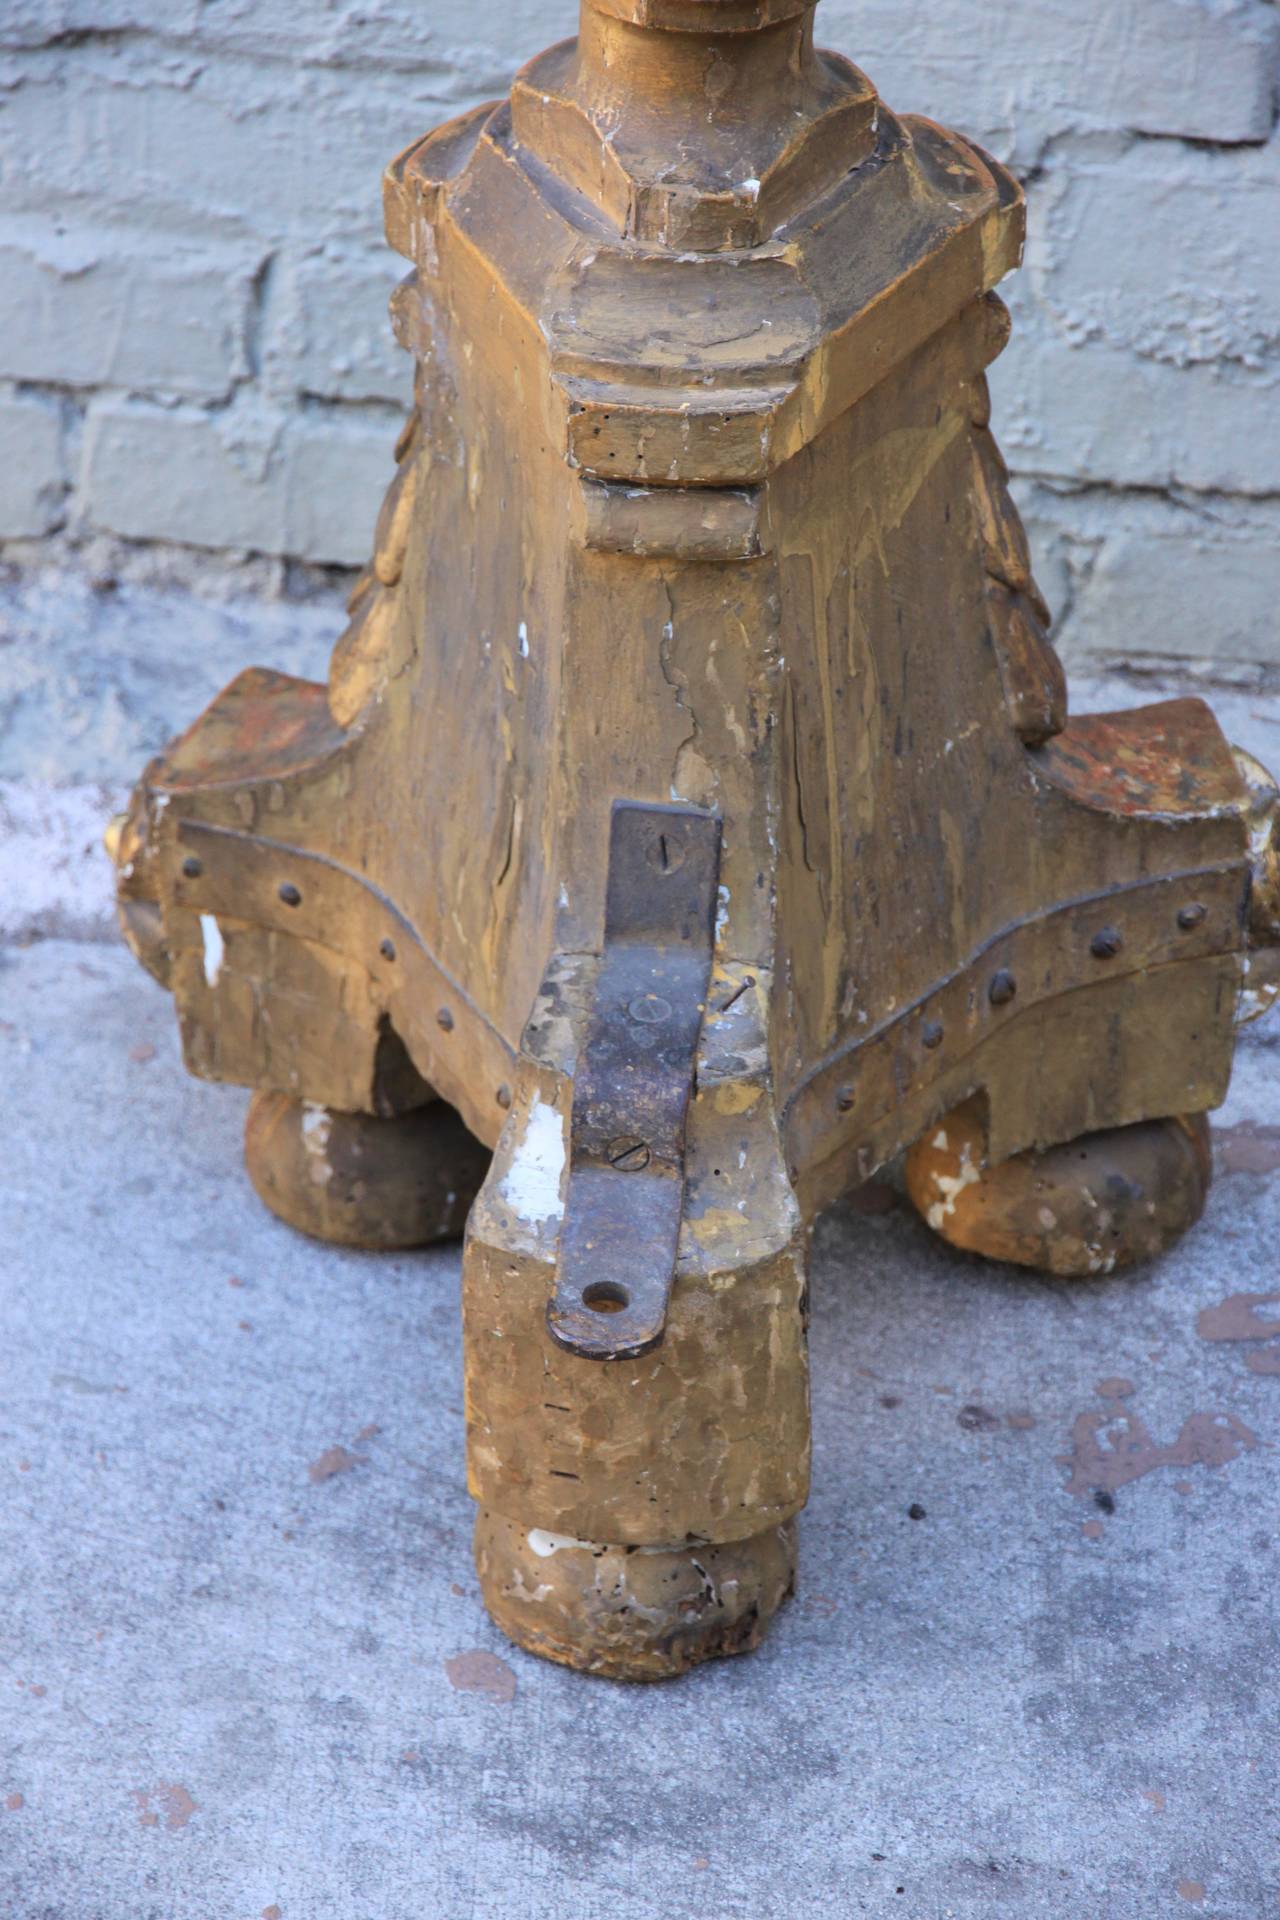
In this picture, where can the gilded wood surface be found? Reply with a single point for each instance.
(699, 503)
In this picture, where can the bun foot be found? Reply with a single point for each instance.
(360, 1181)
(1095, 1205)
(631, 1613)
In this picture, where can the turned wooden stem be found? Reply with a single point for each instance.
(701, 16)
(714, 60)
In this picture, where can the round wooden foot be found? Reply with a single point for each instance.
(631, 1613)
(361, 1181)
(1093, 1206)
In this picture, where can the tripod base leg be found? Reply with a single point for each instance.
(1095, 1205)
(631, 1613)
(360, 1181)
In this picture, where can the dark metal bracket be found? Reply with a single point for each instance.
(634, 1078)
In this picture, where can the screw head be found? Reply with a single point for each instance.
(1002, 989)
(444, 1020)
(845, 1098)
(289, 894)
(666, 853)
(931, 1034)
(629, 1154)
(503, 1096)
(192, 868)
(650, 1009)
(1192, 916)
(387, 948)
(1106, 943)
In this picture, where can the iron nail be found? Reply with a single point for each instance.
(503, 1095)
(845, 1099)
(192, 867)
(388, 949)
(1002, 989)
(931, 1034)
(1106, 943)
(1189, 917)
(444, 1020)
(289, 894)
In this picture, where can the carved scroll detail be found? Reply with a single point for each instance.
(358, 668)
(1035, 686)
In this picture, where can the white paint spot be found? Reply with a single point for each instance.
(531, 1186)
(522, 634)
(750, 187)
(214, 948)
(940, 1139)
(317, 1124)
(950, 1187)
(545, 1544)
(722, 913)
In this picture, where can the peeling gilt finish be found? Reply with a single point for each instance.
(700, 507)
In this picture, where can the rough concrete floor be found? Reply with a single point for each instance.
(235, 1562)
(226, 1687)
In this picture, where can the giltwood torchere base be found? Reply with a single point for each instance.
(1090, 1206)
(361, 1181)
(694, 806)
(631, 1613)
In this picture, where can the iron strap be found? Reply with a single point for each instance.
(635, 1074)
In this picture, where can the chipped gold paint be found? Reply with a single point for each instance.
(687, 510)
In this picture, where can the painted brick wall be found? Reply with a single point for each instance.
(193, 340)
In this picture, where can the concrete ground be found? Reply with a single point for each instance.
(240, 1632)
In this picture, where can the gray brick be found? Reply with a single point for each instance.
(327, 328)
(32, 466)
(103, 306)
(470, 50)
(1017, 77)
(1162, 251)
(1146, 343)
(1091, 412)
(253, 478)
(34, 23)
(338, 469)
(223, 147)
(1143, 580)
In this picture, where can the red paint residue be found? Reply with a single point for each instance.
(1112, 1448)
(170, 1803)
(483, 1673)
(1237, 1318)
(333, 1460)
(1249, 1147)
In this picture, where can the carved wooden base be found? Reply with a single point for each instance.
(694, 806)
(1093, 1206)
(361, 1181)
(631, 1613)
